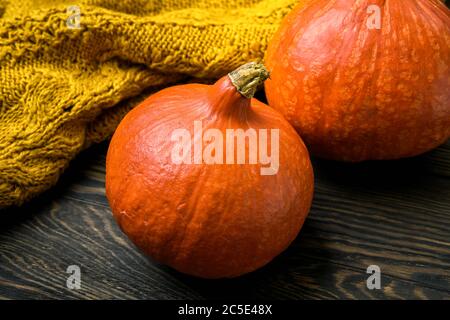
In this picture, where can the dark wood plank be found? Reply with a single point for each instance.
(393, 214)
(85, 234)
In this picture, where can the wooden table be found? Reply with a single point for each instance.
(393, 214)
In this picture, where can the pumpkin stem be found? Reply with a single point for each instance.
(248, 78)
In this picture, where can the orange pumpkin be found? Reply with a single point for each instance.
(364, 79)
(194, 202)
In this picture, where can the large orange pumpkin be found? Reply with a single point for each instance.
(364, 79)
(199, 209)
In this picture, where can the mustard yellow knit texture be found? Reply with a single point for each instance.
(63, 89)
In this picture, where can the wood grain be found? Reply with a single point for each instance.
(393, 214)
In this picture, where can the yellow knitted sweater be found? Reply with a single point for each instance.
(68, 75)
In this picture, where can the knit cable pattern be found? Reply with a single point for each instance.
(62, 88)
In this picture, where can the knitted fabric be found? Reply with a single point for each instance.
(65, 86)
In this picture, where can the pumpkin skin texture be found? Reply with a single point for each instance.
(206, 220)
(356, 93)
